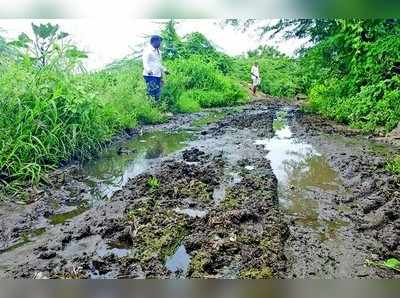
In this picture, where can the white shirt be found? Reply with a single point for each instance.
(152, 62)
(255, 72)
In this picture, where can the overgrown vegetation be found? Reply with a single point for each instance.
(201, 77)
(279, 73)
(51, 112)
(351, 71)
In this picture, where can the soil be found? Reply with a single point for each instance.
(213, 203)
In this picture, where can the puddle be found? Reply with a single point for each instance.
(105, 250)
(179, 261)
(63, 217)
(219, 193)
(115, 166)
(230, 179)
(191, 212)
(301, 172)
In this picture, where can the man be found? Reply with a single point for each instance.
(255, 76)
(153, 70)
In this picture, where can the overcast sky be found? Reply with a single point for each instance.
(109, 39)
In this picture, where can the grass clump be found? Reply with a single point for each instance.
(187, 105)
(394, 165)
(153, 183)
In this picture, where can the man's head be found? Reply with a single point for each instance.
(155, 41)
(256, 64)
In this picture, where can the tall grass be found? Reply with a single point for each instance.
(193, 84)
(51, 115)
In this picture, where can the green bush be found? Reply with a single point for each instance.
(350, 76)
(186, 104)
(193, 80)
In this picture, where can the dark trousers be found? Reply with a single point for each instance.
(153, 86)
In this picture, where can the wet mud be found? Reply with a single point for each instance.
(260, 191)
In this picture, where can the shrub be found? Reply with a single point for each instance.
(193, 80)
(186, 104)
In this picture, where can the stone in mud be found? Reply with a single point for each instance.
(46, 255)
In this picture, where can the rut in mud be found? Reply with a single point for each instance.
(261, 191)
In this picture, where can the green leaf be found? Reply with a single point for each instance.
(392, 263)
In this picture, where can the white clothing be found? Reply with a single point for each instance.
(152, 62)
(255, 75)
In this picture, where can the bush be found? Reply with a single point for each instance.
(186, 104)
(193, 80)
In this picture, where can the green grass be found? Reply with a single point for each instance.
(53, 115)
(194, 84)
(394, 165)
(153, 183)
(391, 264)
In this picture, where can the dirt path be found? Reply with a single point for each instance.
(259, 191)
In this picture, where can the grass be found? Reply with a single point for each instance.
(394, 165)
(153, 183)
(391, 263)
(51, 115)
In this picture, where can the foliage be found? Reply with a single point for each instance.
(48, 46)
(200, 75)
(350, 72)
(193, 80)
(391, 263)
(153, 182)
(51, 114)
(394, 165)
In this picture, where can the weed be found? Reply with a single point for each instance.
(153, 183)
(394, 165)
(392, 263)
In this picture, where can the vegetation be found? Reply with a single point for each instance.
(392, 264)
(153, 182)
(51, 113)
(351, 70)
(279, 73)
(201, 77)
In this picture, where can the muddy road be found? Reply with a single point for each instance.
(259, 191)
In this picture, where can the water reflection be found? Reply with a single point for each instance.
(113, 168)
(301, 171)
(179, 261)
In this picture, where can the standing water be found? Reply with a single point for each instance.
(321, 243)
(116, 165)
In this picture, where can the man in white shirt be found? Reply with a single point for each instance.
(153, 70)
(255, 76)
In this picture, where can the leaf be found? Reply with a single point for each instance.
(392, 263)
(62, 35)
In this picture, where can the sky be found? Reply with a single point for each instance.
(107, 40)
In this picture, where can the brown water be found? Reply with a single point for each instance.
(301, 171)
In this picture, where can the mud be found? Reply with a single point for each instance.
(260, 191)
